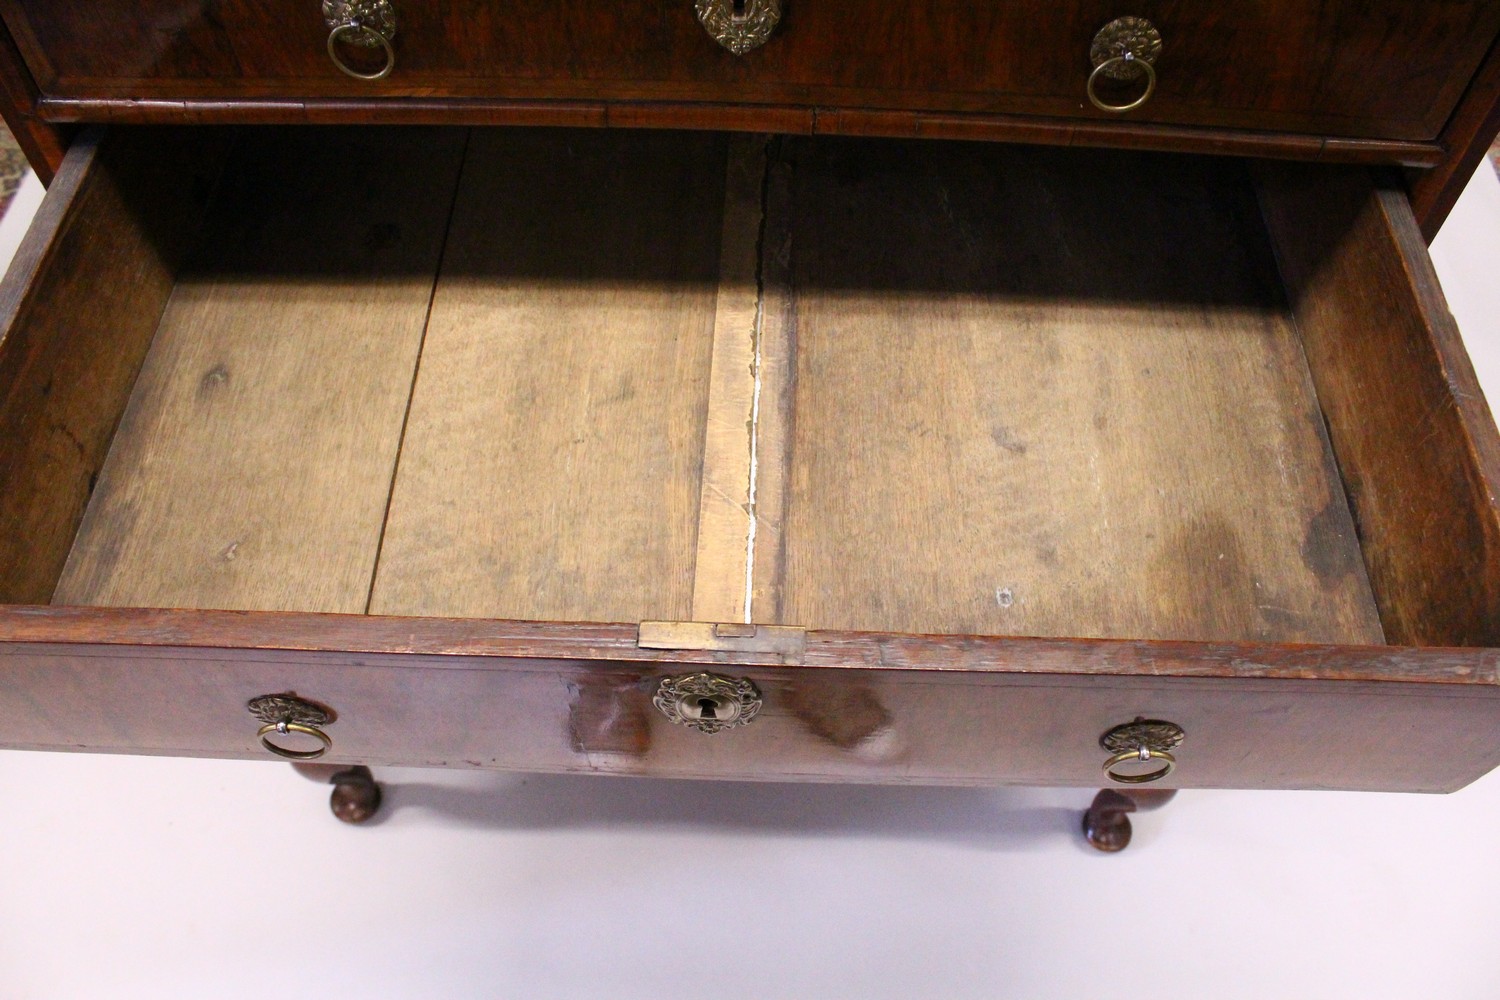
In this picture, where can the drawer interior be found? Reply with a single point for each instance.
(623, 376)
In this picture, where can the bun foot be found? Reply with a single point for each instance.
(1106, 824)
(356, 794)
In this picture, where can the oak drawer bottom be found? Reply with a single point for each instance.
(562, 375)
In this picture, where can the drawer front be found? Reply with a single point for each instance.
(839, 722)
(1387, 69)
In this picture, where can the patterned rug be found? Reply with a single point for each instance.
(12, 168)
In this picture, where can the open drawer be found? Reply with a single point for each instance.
(450, 434)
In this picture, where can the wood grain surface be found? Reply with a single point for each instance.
(983, 392)
(78, 309)
(1415, 439)
(1466, 139)
(1047, 394)
(44, 143)
(718, 116)
(778, 374)
(1364, 68)
(722, 574)
(253, 465)
(513, 696)
(552, 460)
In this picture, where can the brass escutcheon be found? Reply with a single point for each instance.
(283, 714)
(707, 702)
(739, 25)
(1142, 741)
(1124, 49)
(365, 24)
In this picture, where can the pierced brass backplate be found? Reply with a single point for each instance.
(1148, 733)
(274, 708)
(739, 28)
(1124, 41)
(376, 20)
(707, 702)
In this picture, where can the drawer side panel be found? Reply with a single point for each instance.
(1415, 440)
(253, 465)
(78, 310)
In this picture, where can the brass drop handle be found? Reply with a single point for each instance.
(365, 24)
(283, 714)
(708, 703)
(1143, 741)
(1124, 49)
(739, 25)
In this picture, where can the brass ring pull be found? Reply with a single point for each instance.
(1168, 764)
(1112, 63)
(286, 713)
(294, 727)
(1123, 50)
(333, 51)
(1141, 742)
(365, 24)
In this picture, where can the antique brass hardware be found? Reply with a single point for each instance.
(283, 714)
(1141, 741)
(365, 24)
(708, 703)
(1124, 49)
(707, 637)
(739, 25)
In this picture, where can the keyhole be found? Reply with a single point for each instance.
(739, 8)
(707, 708)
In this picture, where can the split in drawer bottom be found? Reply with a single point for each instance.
(1202, 431)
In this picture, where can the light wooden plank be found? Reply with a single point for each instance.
(778, 378)
(1038, 394)
(721, 576)
(552, 460)
(254, 462)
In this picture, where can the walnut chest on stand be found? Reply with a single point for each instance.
(887, 392)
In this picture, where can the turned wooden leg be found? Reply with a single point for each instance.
(356, 793)
(1106, 825)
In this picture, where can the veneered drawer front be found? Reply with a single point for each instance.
(486, 703)
(1387, 68)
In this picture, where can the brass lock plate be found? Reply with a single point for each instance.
(739, 26)
(708, 703)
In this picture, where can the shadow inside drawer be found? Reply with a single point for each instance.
(620, 376)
